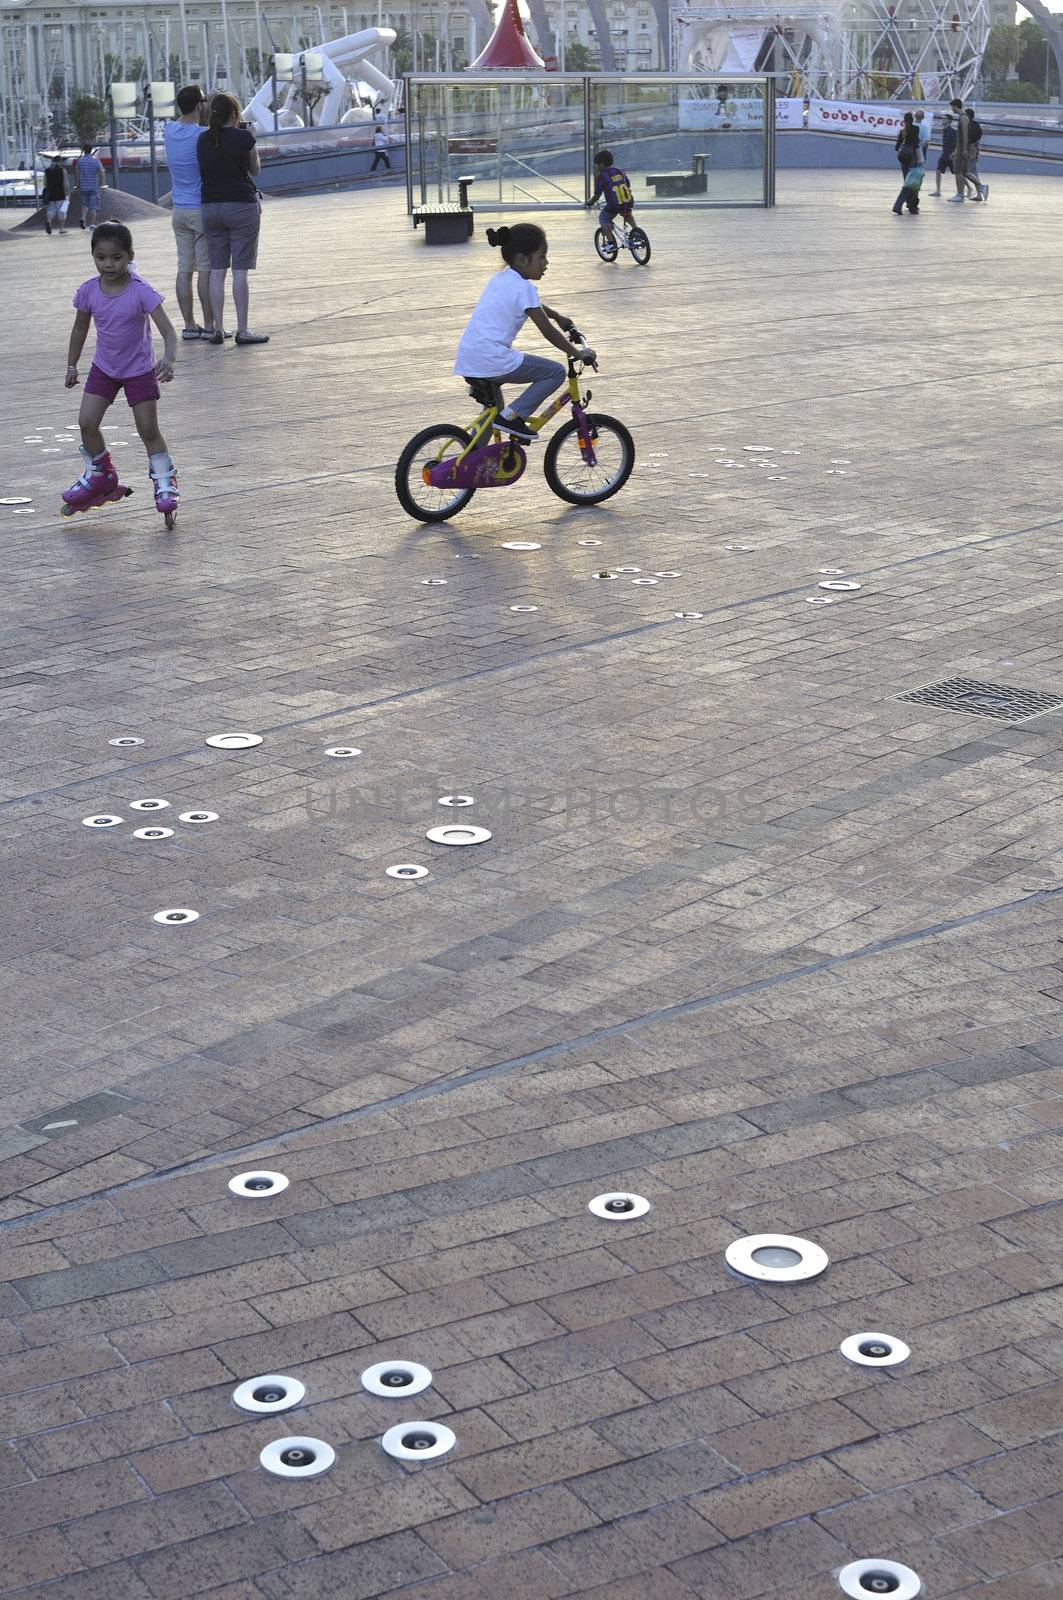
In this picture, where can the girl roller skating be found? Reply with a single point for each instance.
(120, 303)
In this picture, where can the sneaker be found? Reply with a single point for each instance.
(985, 191)
(252, 338)
(955, 199)
(193, 333)
(516, 427)
(214, 338)
(47, 226)
(896, 211)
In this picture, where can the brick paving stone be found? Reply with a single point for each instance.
(868, 1042)
(761, 1562)
(781, 1495)
(912, 1453)
(631, 1545)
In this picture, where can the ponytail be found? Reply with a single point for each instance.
(521, 240)
(224, 109)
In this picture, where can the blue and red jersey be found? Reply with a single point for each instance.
(614, 189)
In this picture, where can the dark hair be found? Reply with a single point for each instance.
(116, 231)
(224, 108)
(957, 105)
(908, 120)
(523, 239)
(189, 98)
(86, 149)
(603, 158)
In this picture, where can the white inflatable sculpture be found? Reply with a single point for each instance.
(349, 54)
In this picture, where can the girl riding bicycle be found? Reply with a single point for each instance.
(485, 350)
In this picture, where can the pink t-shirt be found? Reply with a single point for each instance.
(123, 332)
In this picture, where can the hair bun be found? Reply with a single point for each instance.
(496, 237)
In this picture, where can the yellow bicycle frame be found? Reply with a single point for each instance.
(487, 422)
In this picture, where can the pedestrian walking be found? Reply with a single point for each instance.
(54, 198)
(229, 163)
(946, 160)
(906, 143)
(89, 172)
(974, 150)
(380, 149)
(962, 152)
(193, 256)
(924, 124)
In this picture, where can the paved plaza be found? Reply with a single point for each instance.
(757, 935)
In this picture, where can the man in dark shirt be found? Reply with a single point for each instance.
(948, 151)
(55, 195)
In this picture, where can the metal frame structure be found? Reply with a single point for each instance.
(850, 49)
(427, 147)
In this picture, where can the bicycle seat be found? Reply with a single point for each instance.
(486, 391)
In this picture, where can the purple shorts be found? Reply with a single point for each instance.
(145, 386)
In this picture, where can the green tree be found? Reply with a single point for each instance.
(1001, 54)
(577, 57)
(87, 117)
(1036, 64)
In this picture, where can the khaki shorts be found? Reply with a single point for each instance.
(192, 251)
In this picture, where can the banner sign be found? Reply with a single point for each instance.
(745, 113)
(882, 119)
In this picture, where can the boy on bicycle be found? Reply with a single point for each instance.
(613, 187)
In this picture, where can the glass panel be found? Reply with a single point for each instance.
(686, 141)
(520, 138)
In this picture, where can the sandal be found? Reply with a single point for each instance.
(252, 338)
(192, 333)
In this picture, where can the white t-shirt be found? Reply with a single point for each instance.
(485, 349)
(380, 139)
(926, 130)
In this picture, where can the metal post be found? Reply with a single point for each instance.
(308, 119)
(409, 146)
(115, 184)
(769, 141)
(273, 79)
(587, 190)
(151, 149)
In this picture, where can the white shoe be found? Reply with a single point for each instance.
(955, 199)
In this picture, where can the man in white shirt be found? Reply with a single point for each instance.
(193, 255)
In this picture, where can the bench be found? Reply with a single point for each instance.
(445, 222)
(668, 184)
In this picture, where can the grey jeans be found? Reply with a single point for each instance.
(542, 376)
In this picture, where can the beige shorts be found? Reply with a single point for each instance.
(193, 253)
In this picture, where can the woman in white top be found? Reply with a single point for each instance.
(485, 350)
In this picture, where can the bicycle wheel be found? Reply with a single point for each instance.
(569, 475)
(640, 245)
(418, 498)
(605, 247)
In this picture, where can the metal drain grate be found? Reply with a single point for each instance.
(1002, 701)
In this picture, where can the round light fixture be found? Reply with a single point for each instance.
(396, 1379)
(256, 1185)
(268, 1394)
(874, 1350)
(418, 1441)
(297, 1457)
(619, 1207)
(776, 1258)
(865, 1579)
